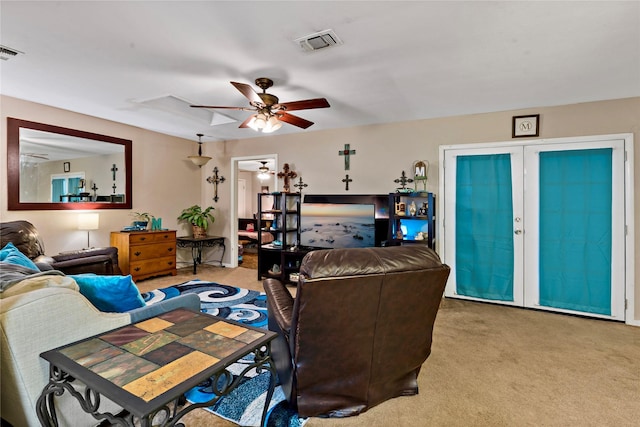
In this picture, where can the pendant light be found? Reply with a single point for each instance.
(263, 172)
(199, 160)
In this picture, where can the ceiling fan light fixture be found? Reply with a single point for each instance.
(273, 124)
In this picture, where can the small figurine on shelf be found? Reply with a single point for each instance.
(412, 208)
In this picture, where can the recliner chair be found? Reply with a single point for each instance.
(25, 237)
(359, 328)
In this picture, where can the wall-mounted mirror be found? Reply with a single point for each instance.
(51, 167)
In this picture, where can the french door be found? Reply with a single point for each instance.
(537, 225)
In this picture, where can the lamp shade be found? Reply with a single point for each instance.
(88, 221)
(199, 160)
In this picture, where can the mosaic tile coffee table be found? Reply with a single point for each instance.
(146, 367)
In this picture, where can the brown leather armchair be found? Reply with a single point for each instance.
(25, 237)
(359, 328)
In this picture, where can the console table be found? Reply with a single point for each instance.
(147, 367)
(197, 243)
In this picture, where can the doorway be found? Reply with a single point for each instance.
(540, 224)
(246, 168)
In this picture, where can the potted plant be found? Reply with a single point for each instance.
(141, 219)
(198, 218)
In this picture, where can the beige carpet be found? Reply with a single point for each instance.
(493, 365)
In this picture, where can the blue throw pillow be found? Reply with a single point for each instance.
(12, 255)
(113, 294)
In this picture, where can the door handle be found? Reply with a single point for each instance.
(518, 231)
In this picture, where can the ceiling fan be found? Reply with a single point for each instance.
(269, 111)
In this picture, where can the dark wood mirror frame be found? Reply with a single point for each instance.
(13, 168)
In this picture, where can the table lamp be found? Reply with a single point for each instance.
(88, 222)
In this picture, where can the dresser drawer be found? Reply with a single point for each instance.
(150, 267)
(158, 250)
(144, 238)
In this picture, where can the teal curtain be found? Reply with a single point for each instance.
(575, 230)
(57, 189)
(74, 184)
(484, 227)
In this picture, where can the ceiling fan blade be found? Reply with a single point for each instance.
(294, 120)
(245, 124)
(217, 106)
(306, 104)
(248, 92)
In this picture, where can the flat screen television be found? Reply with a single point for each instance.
(337, 225)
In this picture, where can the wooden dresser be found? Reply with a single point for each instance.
(145, 254)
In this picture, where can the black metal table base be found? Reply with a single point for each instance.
(169, 414)
(197, 244)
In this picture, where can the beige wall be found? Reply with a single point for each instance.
(384, 151)
(164, 182)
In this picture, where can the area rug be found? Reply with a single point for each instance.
(243, 405)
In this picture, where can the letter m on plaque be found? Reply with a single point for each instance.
(420, 170)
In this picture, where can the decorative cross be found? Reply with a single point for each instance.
(215, 180)
(403, 180)
(114, 186)
(346, 181)
(300, 185)
(286, 174)
(94, 187)
(114, 169)
(346, 153)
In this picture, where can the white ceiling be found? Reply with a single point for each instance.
(399, 61)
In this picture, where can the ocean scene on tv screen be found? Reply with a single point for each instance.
(332, 225)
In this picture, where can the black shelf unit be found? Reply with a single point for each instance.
(423, 221)
(279, 213)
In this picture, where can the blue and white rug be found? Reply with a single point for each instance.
(244, 404)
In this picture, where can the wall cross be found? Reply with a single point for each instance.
(113, 170)
(403, 180)
(300, 185)
(286, 174)
(346, 181)
(347, 154)
(215, 180)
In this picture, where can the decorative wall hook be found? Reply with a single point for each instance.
(215, 180)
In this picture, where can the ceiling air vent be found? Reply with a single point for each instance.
(7, 52)
(317, 41)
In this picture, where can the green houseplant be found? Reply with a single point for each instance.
(198, 218)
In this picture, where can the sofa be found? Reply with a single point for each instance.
(43, 310)
(25, 237)
(359, 328)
